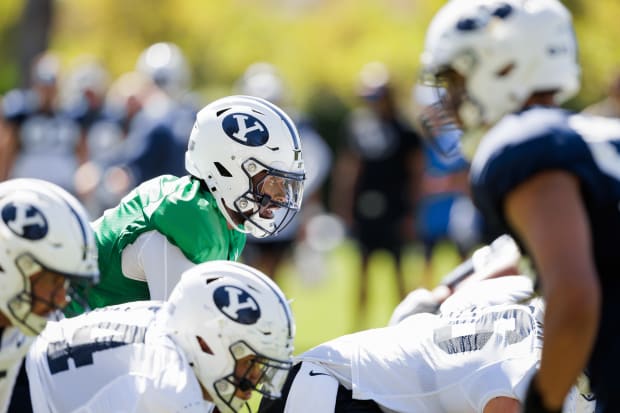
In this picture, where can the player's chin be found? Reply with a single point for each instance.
(266, 213)
(244, 395)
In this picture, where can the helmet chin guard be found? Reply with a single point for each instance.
(259, 227)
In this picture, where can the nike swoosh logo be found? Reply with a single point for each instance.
(316, 373)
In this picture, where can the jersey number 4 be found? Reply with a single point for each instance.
(84, 346)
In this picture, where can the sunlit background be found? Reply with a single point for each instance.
(319, 46)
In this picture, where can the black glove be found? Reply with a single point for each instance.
(533, 401)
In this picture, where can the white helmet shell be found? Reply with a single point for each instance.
(41, 227)
(236, 138)
(506, 50)
(221, 311)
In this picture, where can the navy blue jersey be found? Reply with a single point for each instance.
(539, 139)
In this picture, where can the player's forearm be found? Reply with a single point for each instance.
(571, 324)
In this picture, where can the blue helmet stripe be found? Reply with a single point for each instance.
(82, 229)
(292, 129)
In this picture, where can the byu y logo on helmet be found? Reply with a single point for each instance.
(25, 220)
(245, 129)
(236, 304)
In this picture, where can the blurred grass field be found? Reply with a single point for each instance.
(326, 307)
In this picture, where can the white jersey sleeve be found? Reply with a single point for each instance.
(446, 363)
(113, 359)
(152, 258)
(13, 348)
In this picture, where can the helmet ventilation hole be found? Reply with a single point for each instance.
(222, 171)
(505, 71)
(203, 345)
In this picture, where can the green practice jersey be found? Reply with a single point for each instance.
(178, 208)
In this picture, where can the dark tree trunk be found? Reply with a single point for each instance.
(34, 34)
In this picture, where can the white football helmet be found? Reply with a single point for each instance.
(505, 50)
(240, 146)
(42, 227)
(165, 64)
(222, 311)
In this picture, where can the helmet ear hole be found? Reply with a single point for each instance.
(506, 70)
(222, 170)
(203, 345)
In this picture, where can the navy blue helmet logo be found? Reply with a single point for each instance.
(245, 129)
(25, 220)
(236, 304)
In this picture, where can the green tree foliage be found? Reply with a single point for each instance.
(314, 42)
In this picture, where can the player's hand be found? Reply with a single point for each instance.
(533, 400)
(417, 301)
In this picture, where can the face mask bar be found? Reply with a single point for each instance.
(22, 303)
(273, 199)
(438, 120)
(263, 375)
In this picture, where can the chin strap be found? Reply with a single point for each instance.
(259, 227)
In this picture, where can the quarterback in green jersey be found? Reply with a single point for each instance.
(245, 164)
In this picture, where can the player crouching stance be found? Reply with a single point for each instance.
(225, 331)
(471, 345)
(45, 242)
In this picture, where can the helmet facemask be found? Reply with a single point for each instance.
(272, 200)
(438, 116)
(21, 306)
(253, 372)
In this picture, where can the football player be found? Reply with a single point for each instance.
(244, 163)
(476, 354)
(226, 330)
(45, 240)
(500, 258)
(545, 175)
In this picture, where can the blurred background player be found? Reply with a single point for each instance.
(467, 358)
(45, 241)
(165, 64)
(244, 162)
(41, 140)
(148, 116)
(610, 105)
(226, 331)
(376, 178)
(445, 212)
(263, 80)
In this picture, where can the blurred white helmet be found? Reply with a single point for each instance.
(262, 80)
(223, 311)
(165, 64)
(42, 227)
(248, 153)
(89, 76)
(505, 50)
